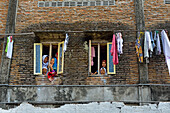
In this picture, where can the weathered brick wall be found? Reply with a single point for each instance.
(29, 13)
(22, 61)
(76, 56)
(156, 12)
(3, 15)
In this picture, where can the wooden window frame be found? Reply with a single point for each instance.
(35, 44)
(108, 72)
(50, 54)
(58, 61)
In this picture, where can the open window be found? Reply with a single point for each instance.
(99, 52)
(50, 49)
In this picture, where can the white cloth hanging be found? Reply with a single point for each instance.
(10, 48)
(119, 40)
(166, 48)
(147, 45)
(158, 44)
(66, 42)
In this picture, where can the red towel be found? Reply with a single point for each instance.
(114, 51)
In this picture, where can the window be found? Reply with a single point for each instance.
(49, 49)
(68, 3)
(47, 4)
(167, 1)
(97, 53)
(41, 4)
(54, 4)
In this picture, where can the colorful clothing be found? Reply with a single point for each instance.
(8, 39)
(138, 46)
(55, 65)
(51, 74)
(114, 51)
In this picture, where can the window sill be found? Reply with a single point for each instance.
(99, 76)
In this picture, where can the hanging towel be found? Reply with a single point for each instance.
(147, 44)
(166, 48)
(138, 46)
(153, 44)
(10, 48)
(158, 44)
(119, 40)
(114, 51)
(92, 55)
(66, 42)
(8, 38)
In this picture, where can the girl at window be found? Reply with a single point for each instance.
(55, 62)
(44, 64)
(103, 70)
(52, 72)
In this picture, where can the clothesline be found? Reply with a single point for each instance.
(69, 31)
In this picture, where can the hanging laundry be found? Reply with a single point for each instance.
(147, 46)
(10, 47)
(153, 44)
(166, 48)
(66, 42)
(119, 40)
(92, 55)
(138, 46)
(114, 51)
(8, 38)
(158, 44)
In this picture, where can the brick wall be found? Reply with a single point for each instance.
(29, 13)
(22, 61)
(156, 12)
(76, 56)
(157, 68)
(3, 15)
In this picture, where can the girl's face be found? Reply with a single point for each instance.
(46, 60)
(52, 61)
(103, 64)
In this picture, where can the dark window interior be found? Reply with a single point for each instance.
(103, 56)
(45, 50)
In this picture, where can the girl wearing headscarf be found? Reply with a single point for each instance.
(44, 64)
